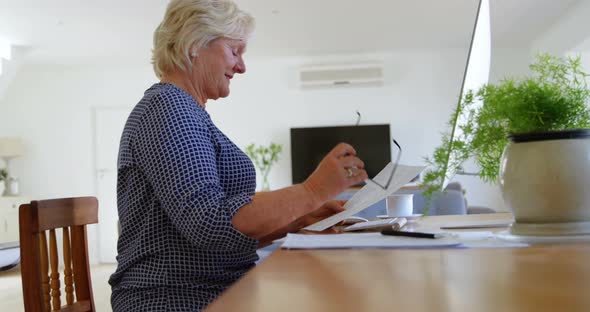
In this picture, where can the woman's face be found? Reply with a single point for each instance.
(216, 65)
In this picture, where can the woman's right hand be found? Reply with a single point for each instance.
(340, 169)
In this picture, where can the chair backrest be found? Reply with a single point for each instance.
(448, 202)
(38, 221)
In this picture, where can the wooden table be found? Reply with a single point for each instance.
(537, 278)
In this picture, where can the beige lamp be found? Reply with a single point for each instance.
(10, 147)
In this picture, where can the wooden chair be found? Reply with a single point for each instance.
(38, 221)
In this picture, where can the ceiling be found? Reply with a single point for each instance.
(91, 31)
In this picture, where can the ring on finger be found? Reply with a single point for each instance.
(349, 174)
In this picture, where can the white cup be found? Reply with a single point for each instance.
(400, 205)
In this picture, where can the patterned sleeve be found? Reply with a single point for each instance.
(176, 152)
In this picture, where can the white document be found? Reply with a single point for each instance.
(470, 224)
(370, 194)
(479, 239)
(363, 240)
(482, 239)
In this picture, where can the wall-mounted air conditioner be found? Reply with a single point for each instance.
(341, 75)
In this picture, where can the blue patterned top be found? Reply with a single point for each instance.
(180, 181)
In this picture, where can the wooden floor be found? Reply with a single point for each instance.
(11, 296)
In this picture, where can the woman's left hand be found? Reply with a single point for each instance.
(326, 210)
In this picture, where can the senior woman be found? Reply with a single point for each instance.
(190, 219)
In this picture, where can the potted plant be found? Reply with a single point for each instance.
(3, 180)
(531, 136)
(264, 157)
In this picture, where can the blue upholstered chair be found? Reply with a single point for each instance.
(448, 202)
(470, 209)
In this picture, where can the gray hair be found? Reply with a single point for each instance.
(190, 25)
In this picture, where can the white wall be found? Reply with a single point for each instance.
(50, 108)
(568, 33)
(512, 62)
(10, 68)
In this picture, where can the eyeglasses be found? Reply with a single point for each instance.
(386, 186)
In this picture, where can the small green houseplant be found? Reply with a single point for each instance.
(552, 100)
(3, 175)
(264, 157)
(3, 179)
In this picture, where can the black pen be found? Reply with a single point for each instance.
(411, 234)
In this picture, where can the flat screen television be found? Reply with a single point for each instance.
(309, 146)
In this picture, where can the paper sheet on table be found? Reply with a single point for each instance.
(362, 240)
(479, 239)
(474, 224)
(370, 194)
(482, 239)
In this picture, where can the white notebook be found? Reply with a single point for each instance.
(363, 240)
(389, 224)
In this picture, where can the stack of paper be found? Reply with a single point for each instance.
(471, 224)
(362, 240)
(479, 239)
